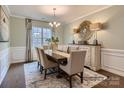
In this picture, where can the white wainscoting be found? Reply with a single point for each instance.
(4, 63)
(17, 54)
(112, 60)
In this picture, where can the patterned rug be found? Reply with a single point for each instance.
(34, 79)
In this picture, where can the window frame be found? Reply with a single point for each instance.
(41, 33)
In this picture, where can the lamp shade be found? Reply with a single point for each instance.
(76, 30)
(95, 26)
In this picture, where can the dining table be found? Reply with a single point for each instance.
(59, 57)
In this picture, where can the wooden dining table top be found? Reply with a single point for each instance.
(56, 55)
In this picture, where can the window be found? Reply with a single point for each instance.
(39, 36)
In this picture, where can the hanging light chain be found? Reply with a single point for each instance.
(54, 9)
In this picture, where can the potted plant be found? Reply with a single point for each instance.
(53, 42)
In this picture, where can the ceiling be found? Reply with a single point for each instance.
(64, 13)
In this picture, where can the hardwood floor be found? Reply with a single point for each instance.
(113, 81)
(15, 78)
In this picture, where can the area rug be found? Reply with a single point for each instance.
(34, 79)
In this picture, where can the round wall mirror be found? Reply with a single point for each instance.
(84, 32)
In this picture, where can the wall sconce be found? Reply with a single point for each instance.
(76, 30)
(95, 27)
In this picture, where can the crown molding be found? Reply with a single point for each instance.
(93, 12)
(22, 17)
(90, 13)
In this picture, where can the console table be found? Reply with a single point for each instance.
(93, 55)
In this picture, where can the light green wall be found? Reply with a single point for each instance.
(18, 31)
(112, 35)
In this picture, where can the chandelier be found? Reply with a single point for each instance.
(54, 23)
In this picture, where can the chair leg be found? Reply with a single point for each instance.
(81, 77)
(41, 69)
(45, 72)
(70, 81)
(38, 64)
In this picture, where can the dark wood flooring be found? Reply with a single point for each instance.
(113, 80)
(15, 78)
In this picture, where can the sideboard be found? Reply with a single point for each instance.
(93, 55)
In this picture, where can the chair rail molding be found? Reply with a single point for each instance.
(112, 60)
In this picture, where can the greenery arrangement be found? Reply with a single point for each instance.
(53, 40)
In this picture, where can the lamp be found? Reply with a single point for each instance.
(95, 27)
(54, 23)
(75, 30)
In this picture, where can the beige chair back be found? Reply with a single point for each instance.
(77, 59)
(37, 52)
(75, 62)
(45, 47)
(43, 59)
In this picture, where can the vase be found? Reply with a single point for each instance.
(54, 45)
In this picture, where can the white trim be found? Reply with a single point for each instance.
(22, 17)
(93, 12)
(113, 60)
(3, 51)
(4, 63)
(112, 50)
(17, 54)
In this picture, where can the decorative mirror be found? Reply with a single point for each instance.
(84, 32)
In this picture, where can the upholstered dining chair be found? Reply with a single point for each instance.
(75, 65)
(45, 47)
(45, 63)
(38, 56)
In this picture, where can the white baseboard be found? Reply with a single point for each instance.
(4, 63)
(112, 60)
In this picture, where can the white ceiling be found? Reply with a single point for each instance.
(64, 13)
